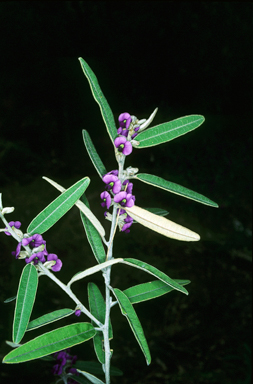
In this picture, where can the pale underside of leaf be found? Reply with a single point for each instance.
(161, 225)
(82, 208)
(92, 378)
(92, 270)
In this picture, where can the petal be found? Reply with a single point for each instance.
(117, 186)
(120, 196)
(57, 266)
(127, 148)
(119, 140)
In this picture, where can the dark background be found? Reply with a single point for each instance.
(184, 58)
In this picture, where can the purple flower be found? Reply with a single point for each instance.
(58, 263)
(122, 131)
(105, 196)
(123, 145)
(114, 172)
(15, 224)
(112, 182)
(128, 222)
(18, 249)
(63, 358)
(36, 257)
(136, 129)
(34, 241)
(129, 188)
(124, 120)
(78, 312)
(124, 199)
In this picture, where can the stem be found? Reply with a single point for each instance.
(67, 289)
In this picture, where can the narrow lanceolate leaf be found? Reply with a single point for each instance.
(10, 299)
(25, 299)
(82, 208)
(92, 270)
(128, 310)
(93, 236)
(51, 342)
(95, 368)
(97, 309)
(168, 131)
(161, 224)
(100, 99)
(49, 318)
(94, 156)
(92, 379)
(174, 188)
(155, 272)
(151, 290)
(55, 210)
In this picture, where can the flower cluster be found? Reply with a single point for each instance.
(120, 193)
(38, 252)
(63, 367)
(128, 129)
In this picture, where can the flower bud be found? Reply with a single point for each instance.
(7, 210)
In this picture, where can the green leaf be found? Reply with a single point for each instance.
(81, 206)
(168, 131)
(95, 368)
(155, 272)
(49, 318)
(128, 310)
(100, 99)
(25, 299)
(93, 236)
(161, 225)
(92, 270)
(94, 156)
(92, 379)
(51, 342)
(151, 290)
(174, 188)
(98, 309)
(55, 210)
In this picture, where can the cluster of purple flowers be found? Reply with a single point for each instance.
(126, 132)
(37, 243)
(64, 364)
(121, 193)
(118, 191)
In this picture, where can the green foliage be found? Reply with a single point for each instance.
(174, 188)
(98, 309)
(128, 310)
(93, 236)
(151, 290)
(55, 210)
(168, 131)
(25, 299)
(155, 272)
(49, 318)
(94, 156)
(100, 99)
(51, 342)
